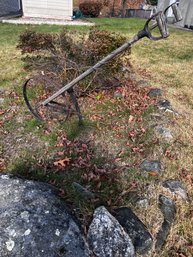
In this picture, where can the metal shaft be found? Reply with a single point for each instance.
(90, 70)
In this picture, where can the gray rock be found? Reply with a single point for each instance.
(154, 92)
(164, 104)
(143, 83)
(137, 231)
(35, 222)
(151, 166)
(134, 198)
(176, 187)
(106, 236)
(164, 132)
(162, 234)
(168, 209)
(84, 192)
(142, 202)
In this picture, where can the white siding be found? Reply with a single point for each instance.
(162, 5)
(59, 9)
(186, 7)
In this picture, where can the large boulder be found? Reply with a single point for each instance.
(35, 222)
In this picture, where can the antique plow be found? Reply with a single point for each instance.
(156, 23)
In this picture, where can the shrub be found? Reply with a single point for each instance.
(31, 41)
(91, 9)
(101, 42)
(106, 2)
(153, 2)
(62, 57)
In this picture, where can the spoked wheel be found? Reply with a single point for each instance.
(35, 93)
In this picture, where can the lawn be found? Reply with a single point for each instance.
(101, 155)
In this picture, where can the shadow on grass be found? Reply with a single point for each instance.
(75, 161)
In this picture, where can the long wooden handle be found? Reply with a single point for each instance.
(92, 69)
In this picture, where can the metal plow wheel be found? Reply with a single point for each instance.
(35, 92)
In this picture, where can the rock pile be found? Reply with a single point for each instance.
(34, 221)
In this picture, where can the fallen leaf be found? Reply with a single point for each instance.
(62, 162)
(153, 173)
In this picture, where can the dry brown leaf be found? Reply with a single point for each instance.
(153, 173)
(62, 162)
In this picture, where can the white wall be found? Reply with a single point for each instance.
(58, 9)
(186, 7)
(163, 4)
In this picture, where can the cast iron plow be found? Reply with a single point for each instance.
(155, 29)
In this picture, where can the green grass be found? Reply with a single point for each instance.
(127, 26)
(32, 124)
(9, 33)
